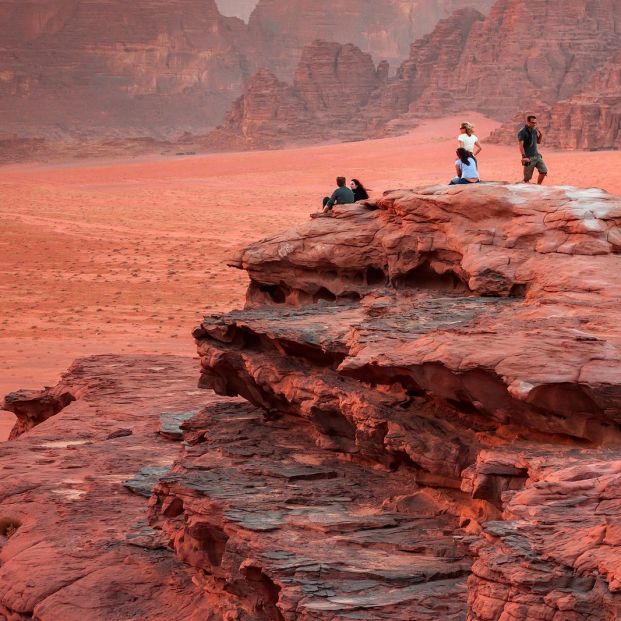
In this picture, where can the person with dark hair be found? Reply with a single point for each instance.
(360, 192)
(466, 168)
(341, 196)
(529, 137)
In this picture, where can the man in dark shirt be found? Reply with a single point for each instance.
(341, 196)
(528, 138)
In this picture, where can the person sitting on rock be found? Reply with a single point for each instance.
(341, 196)
(466, 168)
(360, 192)
(528, 138)
(468, 140)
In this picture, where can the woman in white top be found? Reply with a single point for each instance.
(468, 140)
(466, 168)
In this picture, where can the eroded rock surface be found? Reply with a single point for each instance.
(419, 420)
(469, 338)
(278, 528)
(74, 542)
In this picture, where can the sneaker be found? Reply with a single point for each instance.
(326, 209)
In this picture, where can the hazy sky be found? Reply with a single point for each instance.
(238, 8)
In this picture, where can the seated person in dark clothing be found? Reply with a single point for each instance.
(341, 196)
(360, 192)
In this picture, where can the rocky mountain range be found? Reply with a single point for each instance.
(160, 70)
(83, 69)
(555, 57)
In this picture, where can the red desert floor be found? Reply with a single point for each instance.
(125, 256)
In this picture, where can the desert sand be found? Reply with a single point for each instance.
(126, 256)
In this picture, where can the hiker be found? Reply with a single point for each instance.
(341, 196)
(465, 167)
(529, 137)
(468, 140)
(360, 192)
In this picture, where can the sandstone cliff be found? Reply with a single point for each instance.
(429, 431)
(331, 89)
(518, 57)
(448, 335)
(77, 69)
(383, 29)
(525, 54)
(589, 120)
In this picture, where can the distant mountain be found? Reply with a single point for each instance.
(383, 28)
(80, 70)
(558, 58)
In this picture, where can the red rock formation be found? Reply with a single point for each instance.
(589, 120)
(428, 73)
(521, 56)
(332, 85)
(78, 69)
(74, 541)
(385, 30)
(432, 434)
(278, 528)
(528, 53)
(269, 111)
(32, 407)
(473, 361)
(159, 69)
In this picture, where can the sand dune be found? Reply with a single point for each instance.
(126, 256)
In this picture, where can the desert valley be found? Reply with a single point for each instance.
(219, 408)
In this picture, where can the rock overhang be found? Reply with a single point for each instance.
(498, 298)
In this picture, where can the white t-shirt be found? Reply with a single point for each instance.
(468, 141)
(469, 170)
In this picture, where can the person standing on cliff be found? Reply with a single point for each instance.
(468, 139)
(529, 137)
(341, 196)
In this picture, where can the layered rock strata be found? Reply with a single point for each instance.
(78, 70)
(385, 30)
(74, 541)
(464, 337)
(332, 86)
(155, 70)
(278, 528)
(589, 120)
(517, 57)
(429, 430)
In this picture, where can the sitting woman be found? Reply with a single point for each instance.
(360, 192)
(466, 168)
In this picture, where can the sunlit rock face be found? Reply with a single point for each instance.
(467, 336)
(417, 416)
